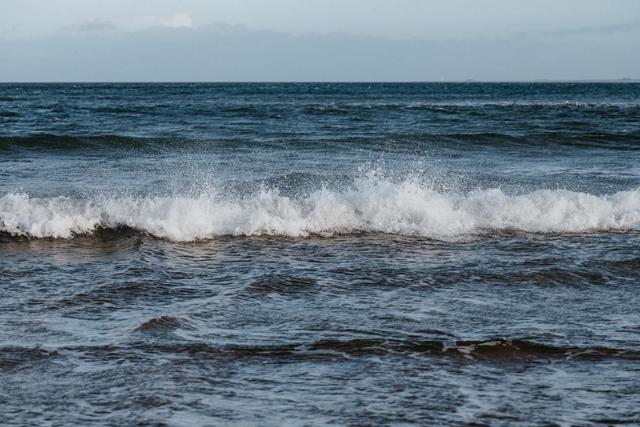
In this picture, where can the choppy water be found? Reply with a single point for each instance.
(264, 254)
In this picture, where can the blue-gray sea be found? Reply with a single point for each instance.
(320, 254)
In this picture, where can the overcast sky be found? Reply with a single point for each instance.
(237, 40)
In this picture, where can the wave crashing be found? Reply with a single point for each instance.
(370, 206)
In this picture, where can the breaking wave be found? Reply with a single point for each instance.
(371, 205)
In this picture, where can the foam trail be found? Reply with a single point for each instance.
(372, 205)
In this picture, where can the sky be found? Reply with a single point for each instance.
(322, 40)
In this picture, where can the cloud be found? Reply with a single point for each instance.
(178, 20)
(601, 29)
(231, 53)
(9, 31)
(94, 26)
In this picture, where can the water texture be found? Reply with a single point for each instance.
(313, 254)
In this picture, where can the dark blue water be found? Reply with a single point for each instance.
(312, 254)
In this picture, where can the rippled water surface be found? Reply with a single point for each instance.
(311, 254)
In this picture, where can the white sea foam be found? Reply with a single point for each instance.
(372, 205)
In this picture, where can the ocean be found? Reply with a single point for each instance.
(320, 254)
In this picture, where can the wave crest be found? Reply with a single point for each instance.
(371, 205)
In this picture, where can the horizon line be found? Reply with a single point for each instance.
(616, 80)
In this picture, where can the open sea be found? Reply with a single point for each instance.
(320, 254)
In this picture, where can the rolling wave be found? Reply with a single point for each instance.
(370, 205)
(62, 143)
(52, 142)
